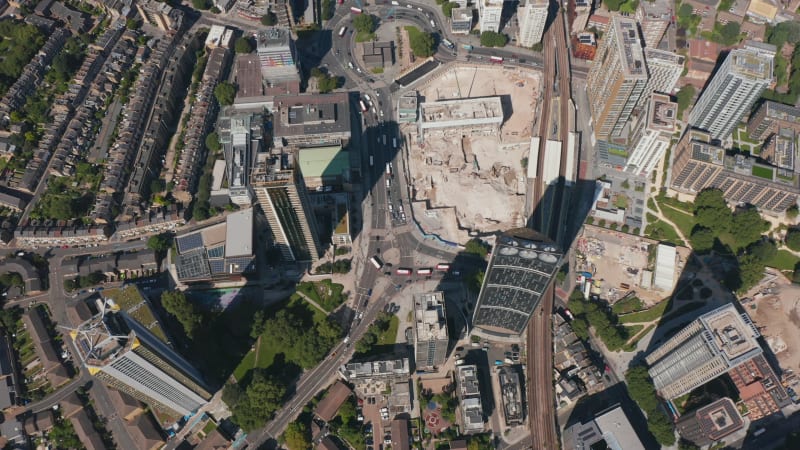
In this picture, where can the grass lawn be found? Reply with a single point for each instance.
(762, 172)
(648, 315)
(627, 305)
(364, 37)
(325, 293)
(248, 362)
(389, 336)
(684, 221)
(784, 260)
(662, 231)
(633, 330)
(631, 345)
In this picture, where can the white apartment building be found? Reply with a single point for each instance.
(489, 15)
(532, 16)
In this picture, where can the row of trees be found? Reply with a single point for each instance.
(339, 266)
(605, 325)
(641, 390)
(84, 281)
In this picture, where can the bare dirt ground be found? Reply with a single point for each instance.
(778, 319)
(476, 183)
(617, 258)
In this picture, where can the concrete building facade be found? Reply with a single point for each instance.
(655, 138)
(772, 117)
(430, 330)
(476, 116)
(617, 79)
(665, 69)
(489, 15)
(733, 90)
(469, 394)
(461, 20)
(653, 18)
(532, 16)
(708, 347)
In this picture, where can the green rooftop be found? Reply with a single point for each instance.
(324, 162)
(130, 300)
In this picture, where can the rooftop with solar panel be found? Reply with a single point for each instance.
(522, 265)
(222, 251)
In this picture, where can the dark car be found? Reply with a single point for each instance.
(369, 441)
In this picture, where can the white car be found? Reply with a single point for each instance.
(409, 7)
(419, 9)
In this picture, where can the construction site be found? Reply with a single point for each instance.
(467, 152)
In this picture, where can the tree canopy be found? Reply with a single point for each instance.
(243, 45)
(176, 303)
(783, 32)
(477, 247)
(793, 239)
(641, 390)
(297, 436)
(259, 401)
(702, 239)
(269, 19)
(225, 93)
(448, 7)
(364, 23)
(685, 94)
(493, 39)
(212, 142)
(160, 242)
(201, 4)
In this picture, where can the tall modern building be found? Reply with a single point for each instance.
(282, 195)
(653, 18)
(122, 353)
(652, 141)
(711, 345)
(532, 17)
(521, 268)
(737, 84)
(617, 79)
(665, 69)
(430, 330)
(241, 136)
(489, 15)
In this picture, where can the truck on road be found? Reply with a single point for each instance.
(467, 47)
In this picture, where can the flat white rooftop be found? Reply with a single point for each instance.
(461, 112)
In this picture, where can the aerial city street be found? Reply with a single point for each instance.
(375, 225)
